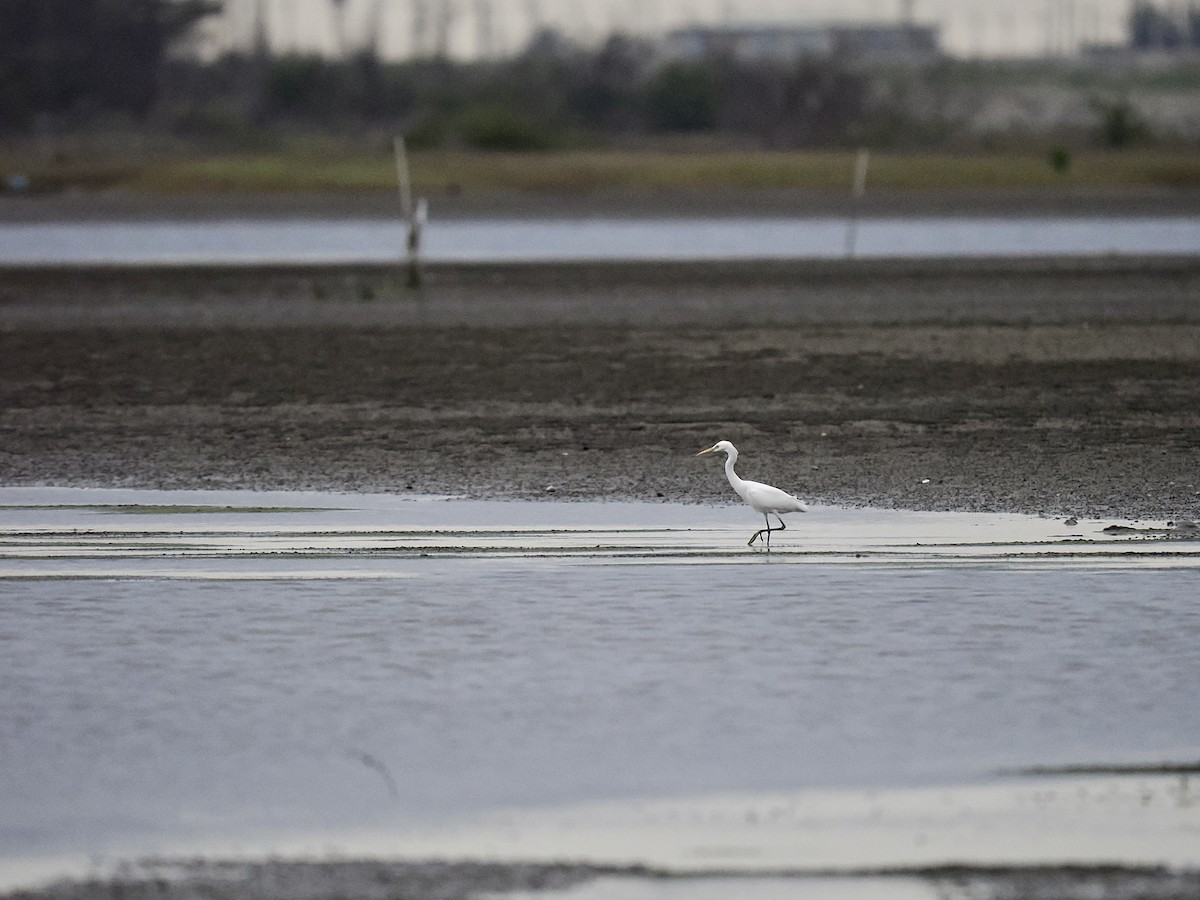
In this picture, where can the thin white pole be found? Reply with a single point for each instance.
(414, 214)
(862, 162)
(402, 178)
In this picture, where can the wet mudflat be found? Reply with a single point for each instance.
(99, 533)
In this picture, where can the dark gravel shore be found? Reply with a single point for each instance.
(1064, 387)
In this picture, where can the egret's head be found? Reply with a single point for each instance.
(719, 447)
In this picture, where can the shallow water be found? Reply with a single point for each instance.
(197, 669)
(345, 241)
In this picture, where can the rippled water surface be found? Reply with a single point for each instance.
(182, 666)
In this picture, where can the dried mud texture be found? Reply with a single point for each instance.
(1084, 409)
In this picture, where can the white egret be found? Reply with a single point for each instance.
(766, 499)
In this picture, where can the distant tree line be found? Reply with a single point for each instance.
(553, 94)
(69, 64)
(75, 57)
(1168, 28)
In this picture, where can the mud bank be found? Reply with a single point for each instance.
(1065, 387)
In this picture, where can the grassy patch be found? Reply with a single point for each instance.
(585, 171)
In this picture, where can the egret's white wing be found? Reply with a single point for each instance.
(767, 499)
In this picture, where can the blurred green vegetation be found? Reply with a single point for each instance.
(321, 168)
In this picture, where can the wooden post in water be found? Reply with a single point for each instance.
(861, 163)
(414, 214)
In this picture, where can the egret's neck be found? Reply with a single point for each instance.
(736, 482)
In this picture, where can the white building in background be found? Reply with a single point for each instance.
(788, 43)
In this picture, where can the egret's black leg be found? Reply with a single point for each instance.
(781, 527)
(767, 531)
